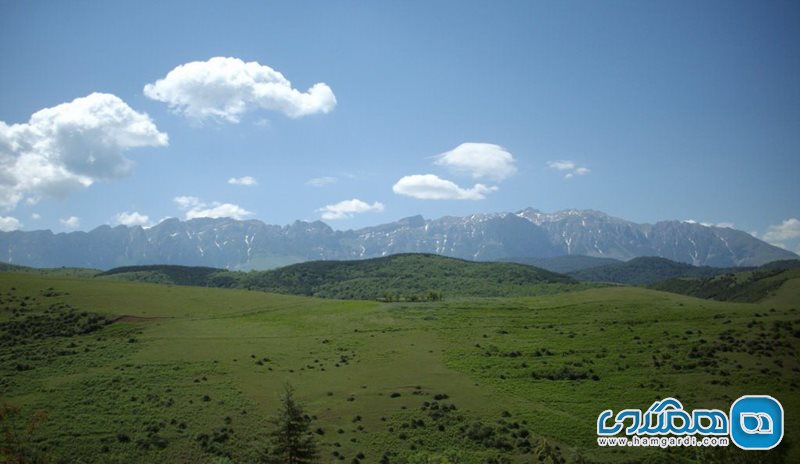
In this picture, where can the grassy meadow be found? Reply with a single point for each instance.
(138, 372)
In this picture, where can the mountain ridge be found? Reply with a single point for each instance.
(252, 244)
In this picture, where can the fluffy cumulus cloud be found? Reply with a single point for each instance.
(321, 181)
(71, 146)
(787, 230)
(349, 208)
(194, 208)
(71, 222)
(479, 160)
(432, 187)
(132, 219)
(572, 169)
(8, 223)
(226, 88)
(246, 181)
(186, 202)
(219, 210)
(784, 234)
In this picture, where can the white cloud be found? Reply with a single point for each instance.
(186, 202)
(787, 230)
(35, 216)
(562, 165)
(71, 146)
(225, 88)
(348, 208)
(246, 181)
(8, 223)
(197, 209)
(321, 181)
(480, 160)
(570, 166)
(71, 222)
(132, 219)
(729, 225)
(219, 210)
(431, 187)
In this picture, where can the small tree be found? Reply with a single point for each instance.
(291, 441)
(434, 296)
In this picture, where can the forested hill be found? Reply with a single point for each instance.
(647, 270)
(744, 287)
(396, 277)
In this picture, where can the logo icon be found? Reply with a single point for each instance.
(756, 422)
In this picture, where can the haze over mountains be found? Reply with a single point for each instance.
(251, 244)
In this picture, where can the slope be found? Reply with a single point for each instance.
(644, 271)
(189, 374)
(564, 264)
(165, 274)
(747, 286)
(408, 277)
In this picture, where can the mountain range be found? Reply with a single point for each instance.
(252, 244)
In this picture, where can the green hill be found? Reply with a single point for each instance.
(54, 271)
(645, 270)
(165, 274)
(565, 264)
(8, 267)
(746, 287)
(783, 264)
(407, 277)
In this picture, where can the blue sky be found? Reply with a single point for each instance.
(652, 111)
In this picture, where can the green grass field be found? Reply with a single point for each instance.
(189, 374)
